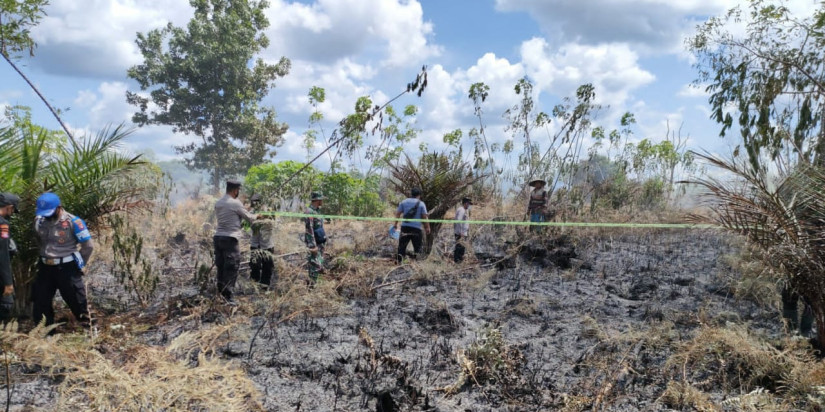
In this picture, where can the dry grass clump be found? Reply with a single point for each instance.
(736, 361)
(684, 396)
(143, 378)
(206, 340)
(749, 279)
(490, 361)
(733, 359)
(590, 329)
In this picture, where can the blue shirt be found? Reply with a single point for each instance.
(407, 205)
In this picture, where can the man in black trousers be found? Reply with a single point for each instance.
(229, 211)
(411, 208)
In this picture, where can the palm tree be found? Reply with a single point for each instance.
(93, 179)
(782, 215)
(443, 180)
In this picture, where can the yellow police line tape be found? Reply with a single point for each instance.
(501, 222)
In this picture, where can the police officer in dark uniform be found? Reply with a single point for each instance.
(60, 267)
(8, 206)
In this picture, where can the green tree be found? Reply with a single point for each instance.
(662, 160)
(483, 151)
(349, 136)
(316, 96)
(771, 79)
(92, 179)
(346, 193)
(396, 131)
(202, 80)
(17, 17)
(524, 118)
(274, 182)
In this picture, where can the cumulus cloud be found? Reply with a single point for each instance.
(651, 26)
(658, 25)
(612, 68)
(106, 106)
(354, 48)
(329, 30)
(95, 38)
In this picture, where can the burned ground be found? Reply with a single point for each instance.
(574, 323)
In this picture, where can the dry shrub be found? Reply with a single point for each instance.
(736, 361)
(679, 395)
(733, 358)
(749, 278)
(431, 269)
(490, 361)
(756, 400)
(145, 378)
(206, 340)
(295, 296)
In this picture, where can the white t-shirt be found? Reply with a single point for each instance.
(461, 227)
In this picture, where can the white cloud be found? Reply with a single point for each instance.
(657, 25)
(343, 81)
(329, 30)
(612, 68)
(95, 38)
(107, 107)
(692, 90)
(651, 26)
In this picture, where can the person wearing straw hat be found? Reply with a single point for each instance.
(229, 212)
(60, 266)
(461, 229)
(8, 206)
(315, 236)
(537, 205)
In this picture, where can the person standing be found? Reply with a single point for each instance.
(411, 208)
(8, 206)
(462, 229)
(229, 212)
(60, 267)
(537, 206)
(262, 248)
(315, 236)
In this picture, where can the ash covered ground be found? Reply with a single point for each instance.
(562, 324)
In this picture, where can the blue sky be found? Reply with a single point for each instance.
(631, 50)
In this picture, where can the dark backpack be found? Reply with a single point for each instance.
(411, 213)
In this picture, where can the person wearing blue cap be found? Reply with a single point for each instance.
(60, 267)
(8, 206)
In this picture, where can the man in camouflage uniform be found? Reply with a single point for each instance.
(8, 206)
(262, 248)
(315, 237)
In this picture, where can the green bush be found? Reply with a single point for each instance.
(346, 193)
(652, 193)
(614, 192)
